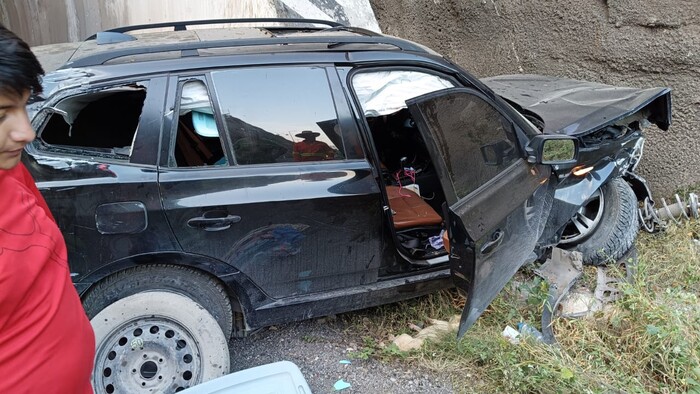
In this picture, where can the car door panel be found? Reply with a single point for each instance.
(513, 238)
(292, 227)
(295, 233)
(497, 202)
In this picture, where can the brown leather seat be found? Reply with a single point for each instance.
(410, 210)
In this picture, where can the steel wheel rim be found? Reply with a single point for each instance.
(585, 221)
(147, 355)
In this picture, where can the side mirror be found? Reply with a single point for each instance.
(552, 149)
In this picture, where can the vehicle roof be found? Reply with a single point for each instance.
(119, 45)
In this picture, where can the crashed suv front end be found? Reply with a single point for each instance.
(608, 122)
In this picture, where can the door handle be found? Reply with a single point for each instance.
(213, 224)
(496, 239)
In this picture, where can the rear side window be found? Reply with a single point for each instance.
(100, 123)
(198, 141)
(279, 114)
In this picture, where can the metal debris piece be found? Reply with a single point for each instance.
(561, 271)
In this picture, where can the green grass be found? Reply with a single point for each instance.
(646, 342)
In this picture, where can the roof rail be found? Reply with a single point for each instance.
(190, 48)
(182, 25)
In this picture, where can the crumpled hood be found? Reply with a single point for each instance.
(572, 107)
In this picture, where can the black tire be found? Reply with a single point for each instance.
(156, 342)
(198, 286)
(618, 227)
(158, 328)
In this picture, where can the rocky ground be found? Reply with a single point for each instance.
(318, 347)
(330, 349)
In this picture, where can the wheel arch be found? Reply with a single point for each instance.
(639, 186)
(239, 288)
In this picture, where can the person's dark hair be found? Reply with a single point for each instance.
(19, 68)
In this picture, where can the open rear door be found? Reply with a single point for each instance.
(498, 203)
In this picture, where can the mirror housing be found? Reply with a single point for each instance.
(552, 149)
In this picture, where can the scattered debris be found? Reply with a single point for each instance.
(345, 362)
(512, 335)
(530, 331)
(560, 271)
(341, 385)
(579, 303)
(405, 342)
(605, 290)
(436, 329)
(414, 327)
(582, 302)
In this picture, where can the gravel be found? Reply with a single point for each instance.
(318, 346)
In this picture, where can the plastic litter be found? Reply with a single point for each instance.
(345, 362)
(279, 377)
(436, 242)
(528, 330)
(512, 335)
(341, 385)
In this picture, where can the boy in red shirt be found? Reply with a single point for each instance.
(46, 341)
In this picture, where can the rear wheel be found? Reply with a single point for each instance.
(161, 328)
(158, 342)
(605, 227)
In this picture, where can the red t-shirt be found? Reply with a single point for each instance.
(46, 342)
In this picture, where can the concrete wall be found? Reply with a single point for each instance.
(42, 22)
(623, 42)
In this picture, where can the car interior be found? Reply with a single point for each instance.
(413, 189)
(412, 186)
(194, 148)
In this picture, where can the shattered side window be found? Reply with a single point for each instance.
(385, 92)
(101, 123)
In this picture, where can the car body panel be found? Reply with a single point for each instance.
(574, 107)
(76, 189)
(79, 187)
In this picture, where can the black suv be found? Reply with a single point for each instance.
(211, 182)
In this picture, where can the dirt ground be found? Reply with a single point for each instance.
(318, 346)
(620, 42)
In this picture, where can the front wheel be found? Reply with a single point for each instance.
(605, 226)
